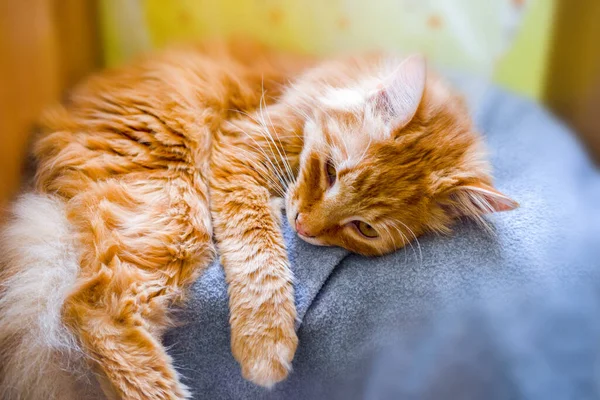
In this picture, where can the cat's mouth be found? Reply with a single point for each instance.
(311, 239)
(292, 215)
(306, 236)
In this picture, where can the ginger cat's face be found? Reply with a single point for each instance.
(387, 160)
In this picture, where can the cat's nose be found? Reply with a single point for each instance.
(301, 227)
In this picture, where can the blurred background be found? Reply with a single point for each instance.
(546, 50)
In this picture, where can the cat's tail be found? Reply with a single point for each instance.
(39, 358)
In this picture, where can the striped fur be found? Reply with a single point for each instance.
(141, 167)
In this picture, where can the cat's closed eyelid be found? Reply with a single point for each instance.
(330, 172)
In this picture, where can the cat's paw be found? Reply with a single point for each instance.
(266, 357)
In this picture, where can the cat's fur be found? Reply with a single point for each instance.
(142, 166)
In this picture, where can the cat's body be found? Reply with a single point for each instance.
(148, 163)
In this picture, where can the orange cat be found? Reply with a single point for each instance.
(143, 166)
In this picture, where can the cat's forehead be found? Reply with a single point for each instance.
(348, 133)
(351, 137)
(348, 99)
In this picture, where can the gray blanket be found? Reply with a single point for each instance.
(509, 315)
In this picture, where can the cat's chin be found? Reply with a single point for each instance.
(312, 240)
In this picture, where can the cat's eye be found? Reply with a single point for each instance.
(331, 172)
(366, 230)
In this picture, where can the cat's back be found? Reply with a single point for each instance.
(157, 113)
(219, 75)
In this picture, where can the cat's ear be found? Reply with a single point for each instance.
(477, 199)
(399, 95)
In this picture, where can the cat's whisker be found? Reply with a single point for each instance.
(262, 131)
(267, 135)
(346, 148)
(301, 108)
(404, 241)
(382, 250)
(291, 176)
(301, 112)
(292, 84)
(275, 169)
(243, 113)
(276, 185)
(284, 156)
(415, 238)
(391, 237)
(298, 110)
(260, 150)
(287, 173)
(364, 153)
(261, 125)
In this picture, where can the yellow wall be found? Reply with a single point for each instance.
(525, 66)
(472, 35)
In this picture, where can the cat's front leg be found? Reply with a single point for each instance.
(261, 296)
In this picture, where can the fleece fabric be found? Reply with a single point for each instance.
(513, 314)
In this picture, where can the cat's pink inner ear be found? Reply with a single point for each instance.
(400, 94)
(479, 199)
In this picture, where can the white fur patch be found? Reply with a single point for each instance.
(344, 99)
(39, 358)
